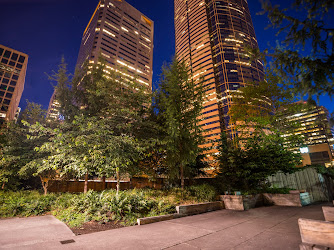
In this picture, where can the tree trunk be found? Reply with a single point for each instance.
(182, 177)
(104, 182)
(86, 184)
(118, 185)
(44, 185)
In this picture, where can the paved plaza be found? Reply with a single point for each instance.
(261, 228)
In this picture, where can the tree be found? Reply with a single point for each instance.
(32, 114)
(110, 125)
(178, 102)
(18, 143)
(247, 168)
(65, 91)
(94, 149)
(41, 165)
(309, 71)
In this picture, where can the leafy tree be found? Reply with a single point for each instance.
(41, 165)
(309, 71)
(18, 143)
(247, 168)
(32, 114)
(179, 101)
(111, 125)
(64, 91)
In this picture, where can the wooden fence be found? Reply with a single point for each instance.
(77, 186)
(318, 186)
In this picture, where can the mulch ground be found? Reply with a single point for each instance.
(93, 226)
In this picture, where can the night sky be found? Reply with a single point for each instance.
(46, 30)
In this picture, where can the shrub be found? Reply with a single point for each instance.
(25, 203)
(203, 193)
(127, 206)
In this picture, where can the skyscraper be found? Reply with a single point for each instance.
(123, 36)
(53, 109)
(315, 130)
(13, 67)
(212, 37)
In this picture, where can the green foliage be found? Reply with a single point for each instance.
(275, 190)
(127, 206)
(107, 126)
(179, 102)
(203, 193)
(18, 144)
(25, 203)
(321, 169)
(247, 168)
(308, 71)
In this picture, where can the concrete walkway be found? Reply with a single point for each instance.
(20, 232)
(260, 228)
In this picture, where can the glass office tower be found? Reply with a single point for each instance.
(213, 37)
(123, 36)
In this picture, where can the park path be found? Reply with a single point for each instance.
(261, 228)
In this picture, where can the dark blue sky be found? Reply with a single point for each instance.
(48, 29)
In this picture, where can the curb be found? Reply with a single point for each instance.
(182, 211)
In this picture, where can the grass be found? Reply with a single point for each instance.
(126, 207)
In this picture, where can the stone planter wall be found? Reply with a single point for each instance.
(199, 208)
(292, 200)
(242, 202)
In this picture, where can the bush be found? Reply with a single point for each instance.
(126, 207)
(203, 193)
(25, 203)
(275, 190)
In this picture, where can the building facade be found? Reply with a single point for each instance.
(316, 133)
(123, 36)
(53, 109)
(13, 67)
(212, 37)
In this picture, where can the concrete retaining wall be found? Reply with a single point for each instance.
(292, 200)
(184, 210)
(242, 202)
(199, 208)
(149, 220)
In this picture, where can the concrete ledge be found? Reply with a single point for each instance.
(149, 220)
(182, 211)
(292, 200)
(199, 208)
(305, 246)
(328, 213)
(242, 202)
(315, 232)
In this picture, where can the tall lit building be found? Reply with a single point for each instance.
(316, 133)
(123, 36)
(13, 67)
(212, 37)
(53, 109)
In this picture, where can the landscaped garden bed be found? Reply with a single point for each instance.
(96, 211)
